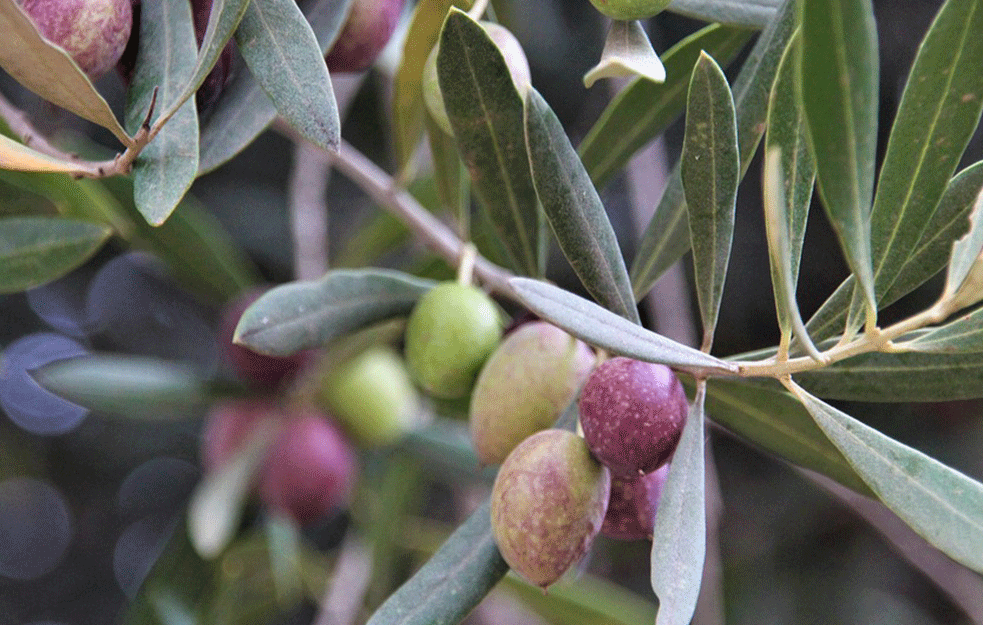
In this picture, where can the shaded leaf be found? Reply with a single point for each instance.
(961, 336)
(965, 254)
(839, 86)
(755, 13)
(603, 328)
(942, 505)
(244, 110)
(486, 113)
(49, 71)
(574, 210)
(222, 21)
(37, 250)
(303, 315)
(408, 110)
(644, 109)
(168, 165)
(179, 574)
(679, 539)
(627, 54)
(283, 55)
(452, 582)
(665, 239)
(710, 171)
(589, 600)
(128, 386)
(18, 157)
(451, 178)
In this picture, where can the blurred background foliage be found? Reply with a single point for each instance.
(89, 502)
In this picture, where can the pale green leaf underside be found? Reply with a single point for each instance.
(627, 54)
(960, 336)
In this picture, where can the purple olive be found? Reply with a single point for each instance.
(631, 509)
(93, 32)
(547, 505)
(633, 414)
(369, 26)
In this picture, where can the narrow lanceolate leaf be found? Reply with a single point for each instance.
(906, 377)
(217, 502)
(486, 113)
(37, 250)
(603, 328)
(408, 109)
(679, 539)
(627, 54)
(711, 170)
(452, 582)
(947, 223)
(574, 210)
(644, 109)
(942, 505)
(789, 175)
(666, 238)
(752, 13)
(244, 110)
(965, 251)
(283, 54)
(839, 86)
(18, 157)
(451, 178)
(303, 315)
(222, 22)
(960, 336)
(49, 72)
(775, 421)
(166, 60)
(938, 114)
(128, 386)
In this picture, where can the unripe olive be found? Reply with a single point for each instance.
(630, 9)
(525, 385)
(450, 334)
(633, 503)
(228, 427)
(373, 396)
(93, 32)
(366, 32)
(514, 56)
(632, 414)
(310, 471)
(547, 504)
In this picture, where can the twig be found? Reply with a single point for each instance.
(308, 210)
(346, 588)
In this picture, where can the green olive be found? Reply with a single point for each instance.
(450, 334)
(630, 9)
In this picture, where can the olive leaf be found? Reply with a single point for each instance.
(755, 13)
(963, 335)
(37, 250)
(627, 54)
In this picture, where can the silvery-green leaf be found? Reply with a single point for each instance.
(627, 54)
(754, 13)
(959, 336)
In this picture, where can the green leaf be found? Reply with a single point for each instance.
(679, 539)
(627, 54)
(128, 386)
(408, 110)
(18, 157)
(303, 315)
(710, 171)
(168, 165)
(179, 575)
(755, 13)
(644, 109)
(49, 71)
(575, 211)
(942, 505)
(789, 174)
(947, 223)
(776, 421)
(839, 86)
(283, 55)
(589, 600)
(938, 114)
(451, 178)
(906, 377)
(666, 238)
(965, 253)
(603, 328)
(244, 110)
(37, 250)
(452, 582)
(486, 113)
(961, 336)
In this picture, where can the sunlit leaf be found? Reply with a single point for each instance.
(679, 539)
(166, 60)
(303, 315)
(486, 113)
(37, 250)
(756, 13)
(574, 210)
(452, 582)
(18, 157)
(942, 505)
(49, 72)
(284, 56)
(603, 328)
(839, 86)
(627, 54)
(710, 171)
